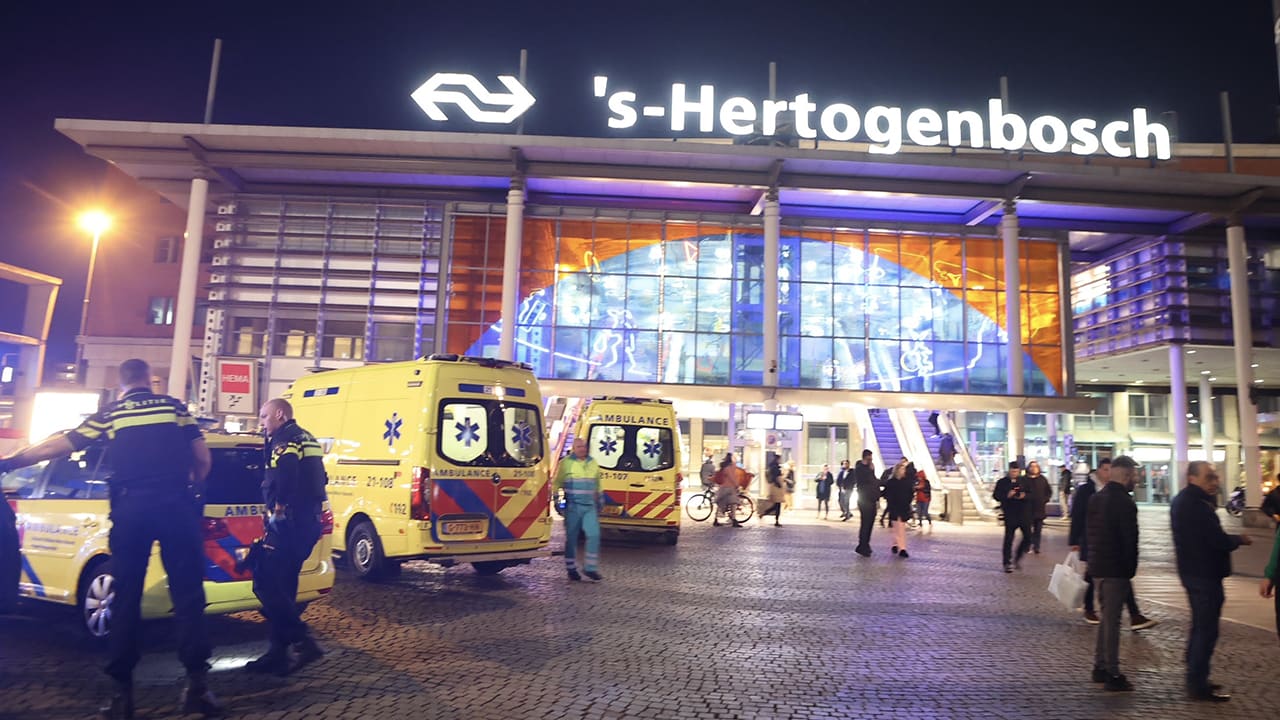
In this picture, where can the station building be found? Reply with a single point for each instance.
(653, 267)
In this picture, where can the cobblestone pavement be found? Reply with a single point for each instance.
(759, 622)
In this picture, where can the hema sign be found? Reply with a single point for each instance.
(884, 128)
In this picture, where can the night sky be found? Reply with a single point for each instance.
(354, 64)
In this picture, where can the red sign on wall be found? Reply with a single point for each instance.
(237, 382)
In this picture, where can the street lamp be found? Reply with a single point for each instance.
(95, 222)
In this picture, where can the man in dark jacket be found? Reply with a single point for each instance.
(1012, 496)
(1080, 543)
(1111, 529)
(1204, 552)
(844, 483)
(868, 488)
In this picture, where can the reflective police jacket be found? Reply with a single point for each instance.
(149, 438)
(295, 469)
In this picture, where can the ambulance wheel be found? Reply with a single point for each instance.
(96, 597)
(491, 567)
(671, 537)
(364, 552)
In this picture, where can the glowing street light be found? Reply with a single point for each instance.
(94, 222)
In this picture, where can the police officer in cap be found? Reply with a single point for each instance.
(160, 461)
(293, 491)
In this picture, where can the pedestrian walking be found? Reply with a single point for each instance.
(868, 499)
(933, 420)
(947, 452)
(775, 489)
(1039, 492)
(1112, 529)
(823, 482)
(1011, 493)
(160, 461)
(898, 493)
(1271, 577)
(1064, 487)
(1079, 542)
(1203, 551)
(578, 477)
(293, 492)
(924, 495)
(844, 484)
(885, 477)
(789, 482)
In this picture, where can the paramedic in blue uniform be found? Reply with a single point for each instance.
(160, 461)
(293, 490)
(579, 478)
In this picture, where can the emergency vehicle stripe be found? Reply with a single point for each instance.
(509, 513)
(642, 508)
(31, 573)
(461, 493)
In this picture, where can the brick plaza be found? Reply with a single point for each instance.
(758, 622)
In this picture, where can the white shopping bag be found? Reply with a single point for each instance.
(1067, 584)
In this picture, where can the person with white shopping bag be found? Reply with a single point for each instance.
(1067, 583)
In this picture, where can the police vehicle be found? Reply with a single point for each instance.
(62, 509)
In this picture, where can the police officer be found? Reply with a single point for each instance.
(293, 491)
(10, 559)
(579, 477)
(160, 461)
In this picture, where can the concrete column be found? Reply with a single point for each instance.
(770, 318)
(1051, 436)
(1013, 325)
(1242, 336)
(511, 269)
(184, 313)
(1207, 421)
(1178, 415)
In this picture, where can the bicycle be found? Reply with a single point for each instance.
(702, 505)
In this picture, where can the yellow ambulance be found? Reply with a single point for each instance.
(438, 459)
(63, 510)
(636, 443)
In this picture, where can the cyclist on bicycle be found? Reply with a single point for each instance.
(708, 472)
(729, 479)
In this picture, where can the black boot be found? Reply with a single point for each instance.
(196, 698)
(274, 662)
(308, 652)
(120, 707)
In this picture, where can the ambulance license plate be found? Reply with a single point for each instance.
(614, 510)
(464, 527)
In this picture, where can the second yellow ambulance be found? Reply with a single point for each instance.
(636, 443)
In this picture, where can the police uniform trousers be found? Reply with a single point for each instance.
(287, 545)
(136, 524)
(10, 558)
(581, 517)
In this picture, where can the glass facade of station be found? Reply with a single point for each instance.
(654, 299)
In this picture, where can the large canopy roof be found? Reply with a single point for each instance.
(1099, 201)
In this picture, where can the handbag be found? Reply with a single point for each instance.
(1067, 584)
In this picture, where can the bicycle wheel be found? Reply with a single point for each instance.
(699, 507)
(744, 510)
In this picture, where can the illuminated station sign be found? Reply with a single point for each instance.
(884, 128)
